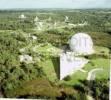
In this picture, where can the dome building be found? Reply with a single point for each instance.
(22, 16)
(81, 43)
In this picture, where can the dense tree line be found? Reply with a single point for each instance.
(12, 72)
(98, 89)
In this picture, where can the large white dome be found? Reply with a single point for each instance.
(81, 43)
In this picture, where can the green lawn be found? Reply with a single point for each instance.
(49, 69)
(47, 49)
(100, 63)
(100, 50)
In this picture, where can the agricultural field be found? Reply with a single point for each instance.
(31, 42)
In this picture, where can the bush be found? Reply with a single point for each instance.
(38, 87)
(67, 78)
(42, 88)
(98, 89)
(94, 56)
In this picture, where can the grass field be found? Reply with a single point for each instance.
(49, 69)
(100, 49)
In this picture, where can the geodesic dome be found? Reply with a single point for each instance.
(81, 43)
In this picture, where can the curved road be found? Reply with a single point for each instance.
(92, 73)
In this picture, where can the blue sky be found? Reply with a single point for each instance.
(5, 4)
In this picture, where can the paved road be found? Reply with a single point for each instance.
(92, 73)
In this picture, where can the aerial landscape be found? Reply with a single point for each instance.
(55, 54)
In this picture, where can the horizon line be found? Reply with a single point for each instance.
(53, 8)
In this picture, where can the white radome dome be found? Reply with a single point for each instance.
(81, 43)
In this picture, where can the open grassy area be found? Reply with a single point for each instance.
(47, 49)
(49, 69)
(100, 50)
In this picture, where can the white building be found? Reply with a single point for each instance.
(81, 43)
(70, 64)
(34, 37)
(36, 19)
(22, 16)
(26, 58)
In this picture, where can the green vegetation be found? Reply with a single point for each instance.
(95, 63)
(101, 92)
(40, 79)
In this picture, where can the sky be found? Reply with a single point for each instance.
(10, 4)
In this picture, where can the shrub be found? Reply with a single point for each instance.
(38, 87)
(98, 89)
(67, 78)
